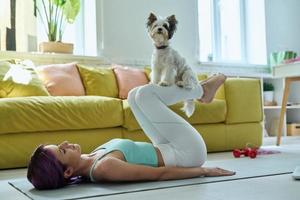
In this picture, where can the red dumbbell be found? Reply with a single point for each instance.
(251, 152)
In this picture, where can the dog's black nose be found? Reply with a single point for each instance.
(159, 29)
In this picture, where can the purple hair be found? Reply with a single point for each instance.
(45, 171)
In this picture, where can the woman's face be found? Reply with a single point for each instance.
(68, 154)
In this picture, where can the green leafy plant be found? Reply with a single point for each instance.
(268, 87)
(55, 14)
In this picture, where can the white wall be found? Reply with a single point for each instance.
(283, 33)
(283, 25)
(124, 34)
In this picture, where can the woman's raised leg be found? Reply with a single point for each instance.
(185, 146)
(146, 125)
(184, 140)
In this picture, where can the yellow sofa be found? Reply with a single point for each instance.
(233, 119)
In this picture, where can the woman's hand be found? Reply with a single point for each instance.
(216, 171)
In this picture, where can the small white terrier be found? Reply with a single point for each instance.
(168, 67)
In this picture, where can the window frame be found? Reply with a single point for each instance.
(216, 46)
(245, 53)
(82, 28)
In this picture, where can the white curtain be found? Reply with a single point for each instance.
(4, 21)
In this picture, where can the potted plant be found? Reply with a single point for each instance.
(55, 15)
(268, 93)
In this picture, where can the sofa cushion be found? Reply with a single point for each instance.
(61, 79)
(147, 70)
(29, 114)
(244, 101)
(220, 94)
(214, 112)
(99, 81)
(18, 80)
(129, 78)
(17, 148)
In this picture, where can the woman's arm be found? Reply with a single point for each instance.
(113, 169)
(191, 172)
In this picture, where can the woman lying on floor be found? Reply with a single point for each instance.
(177, 150)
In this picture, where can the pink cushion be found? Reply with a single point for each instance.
(129, 78)
(61, 79)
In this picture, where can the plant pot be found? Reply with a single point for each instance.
(268, 96)
(56, 47)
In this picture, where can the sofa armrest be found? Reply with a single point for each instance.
(243, 99)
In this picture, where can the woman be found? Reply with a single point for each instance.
(177, 150)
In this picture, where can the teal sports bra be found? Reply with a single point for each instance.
(142, 153)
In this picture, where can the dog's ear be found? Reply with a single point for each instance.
(173, 24)
(152, 18)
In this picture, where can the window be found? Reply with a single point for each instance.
(232, 31)
(82, 33)
(17, 26)
(21, 31)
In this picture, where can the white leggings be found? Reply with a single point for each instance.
(179, 143)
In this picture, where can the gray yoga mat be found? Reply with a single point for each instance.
(267, 165)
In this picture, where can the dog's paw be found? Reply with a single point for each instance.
(188, 86)
(180, 83)
(153, 82)
(184, 85)
(163, 83)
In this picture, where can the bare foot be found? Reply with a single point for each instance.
(210, 87)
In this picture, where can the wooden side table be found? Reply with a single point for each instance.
(290, 73)
(288, 81)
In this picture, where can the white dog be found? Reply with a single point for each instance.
(168, 67)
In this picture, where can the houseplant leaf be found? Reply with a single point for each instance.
(71, 9)
(59, 3)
